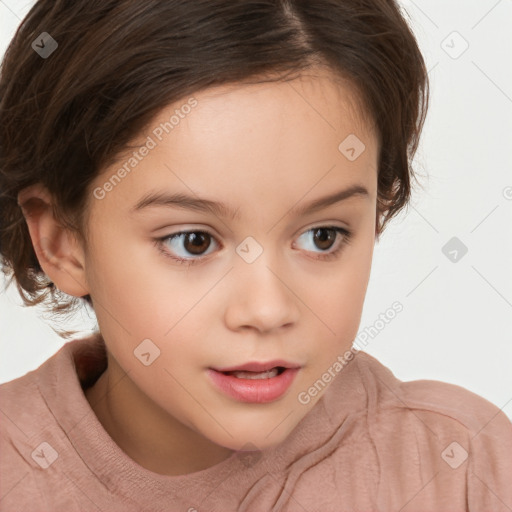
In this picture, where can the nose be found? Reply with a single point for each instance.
(261, 297)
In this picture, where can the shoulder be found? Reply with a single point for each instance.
(21, 401)
(431, 400)
(35, 414)
(22, 413)
(441, 431)
(29, 404)
(443, 445)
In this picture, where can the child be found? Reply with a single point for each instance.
(211, 177)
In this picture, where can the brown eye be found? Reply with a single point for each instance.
(196, 242)
(324, 238)
(326, 242)
(183, 246)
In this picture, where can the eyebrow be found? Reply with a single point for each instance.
(180, 200)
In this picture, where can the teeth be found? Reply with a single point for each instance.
(268, 374)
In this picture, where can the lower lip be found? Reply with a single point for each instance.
(258, 391)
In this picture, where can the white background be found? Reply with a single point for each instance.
(456, 325)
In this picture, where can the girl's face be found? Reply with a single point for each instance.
(264, 275)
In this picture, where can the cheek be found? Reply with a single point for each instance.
(336, 312)
(135, 301)
(337, 299)
(342, 289)
(118, 286)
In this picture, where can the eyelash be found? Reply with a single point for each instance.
(159, 242)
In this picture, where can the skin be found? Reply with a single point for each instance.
(262, 150)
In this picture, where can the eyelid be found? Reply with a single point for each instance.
(166, 229)
(321, 224)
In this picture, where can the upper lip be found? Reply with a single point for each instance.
(255, 366)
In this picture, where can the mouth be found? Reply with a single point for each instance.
(258, 367)
(265, 374)
(260, 386)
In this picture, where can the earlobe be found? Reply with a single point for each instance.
(58, 251)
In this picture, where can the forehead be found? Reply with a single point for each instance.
(246, 142)
(318, 95)
(308, 114)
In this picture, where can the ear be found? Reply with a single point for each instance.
(60, 254)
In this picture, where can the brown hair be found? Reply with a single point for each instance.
(119, 62)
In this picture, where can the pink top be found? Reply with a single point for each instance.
(371, 443)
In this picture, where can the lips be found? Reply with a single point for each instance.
(255, 366)
(255, 382)
(256, 388)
